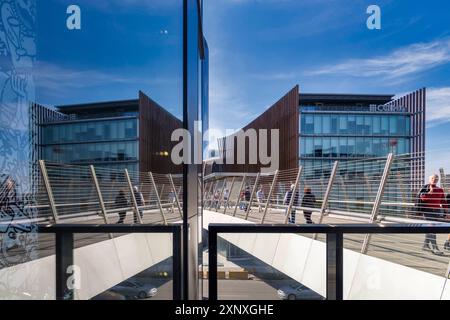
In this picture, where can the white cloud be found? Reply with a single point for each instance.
(400, 63)
(438, 105)
(62, 80)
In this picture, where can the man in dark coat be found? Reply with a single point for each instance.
(121, 203)
(308, 201)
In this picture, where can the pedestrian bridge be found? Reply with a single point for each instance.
(375, 191)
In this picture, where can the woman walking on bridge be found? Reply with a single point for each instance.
(432, 203)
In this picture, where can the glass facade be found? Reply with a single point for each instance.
(327, 137)
(355, 124)
(99, 142)
(89, 131)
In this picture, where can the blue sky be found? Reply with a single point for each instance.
(123, 46)
(260, 49)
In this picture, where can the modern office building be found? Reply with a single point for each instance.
(318, 129)
(131, 134)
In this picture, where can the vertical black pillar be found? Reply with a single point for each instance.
(335, 260)
(64, 260)
(212, 264)
(177, 262)
(191, 168)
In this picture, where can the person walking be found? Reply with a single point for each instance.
(226, 195)
(295, 202)
(216, 202)
(140, 203)
(247, 196)
(260, 198)
(431, 204)
(308, 201)
(242, 200)
(171, 199)
(121, 202)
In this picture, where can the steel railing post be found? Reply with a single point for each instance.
(252, 196)
(162, 189)
(174, 190)
(377, 203)
(229, 196)
(99, 193)
(327, 194)
(294, 195)
(221, 195)
(205, 191)
(335, 266)
(239, 194)
(133, 198)
(48, 190)
(158, 199)
(272, 187)
(64, 262)
(211, 196)
(207, 194)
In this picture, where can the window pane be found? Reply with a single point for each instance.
(317, 124)
(318, 147)
(334, 147)
(334, 124)
(359, 124)
(384, 125)
(326, 147)
(343, 128)
(376, 124)
(326, 124)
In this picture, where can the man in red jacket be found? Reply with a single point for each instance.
(432, 199)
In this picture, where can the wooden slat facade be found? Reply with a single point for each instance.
(155, 130)
(415, 103)
(284, 116)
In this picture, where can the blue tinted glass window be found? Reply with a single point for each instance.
(91, 131)
(360, 147)
(318, 147)
(326, 124)
(359, 124)
(334, 147)
(351, 147)
(326, 147)
(309, 124)
(334, 124)
(351, 124)
(343, 147)
(367, 125)
(393, 125)
(317, 124)
(309, 147)
(376, 125)
(408, 126)
(368, 147)
(384, 125)
(343, 128)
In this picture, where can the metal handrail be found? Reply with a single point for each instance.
(64, 250)
(334, 245)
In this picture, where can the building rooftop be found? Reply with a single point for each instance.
(75, 108)
(307, 98)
